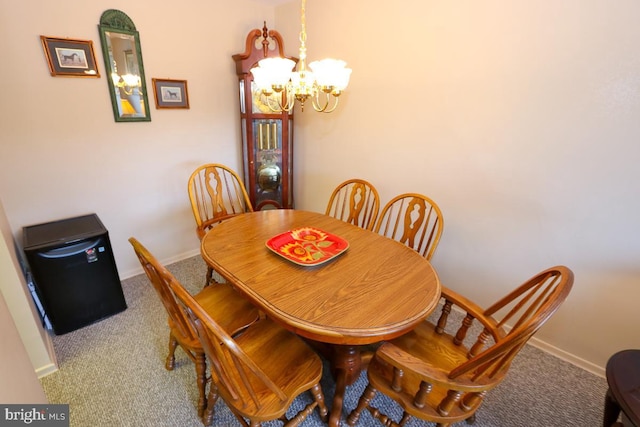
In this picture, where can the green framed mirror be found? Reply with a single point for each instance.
(124, 68)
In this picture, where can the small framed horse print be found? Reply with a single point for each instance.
(170, 93)
(69, 57)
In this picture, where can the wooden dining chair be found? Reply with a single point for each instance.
(412, 219)
(232, 312)
(258, 373)
(355, 201)
(441, 373)
(216, 193)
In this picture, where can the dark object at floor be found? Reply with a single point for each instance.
(623, 376)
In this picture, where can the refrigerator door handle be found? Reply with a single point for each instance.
(71, 250)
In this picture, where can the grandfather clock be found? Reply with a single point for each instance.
(267, 136)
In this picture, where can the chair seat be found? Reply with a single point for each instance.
(431, 347)
(286, 359)
(233, 312)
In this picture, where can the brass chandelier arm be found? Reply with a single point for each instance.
(320, 105)
(323, 109)
(272, 99)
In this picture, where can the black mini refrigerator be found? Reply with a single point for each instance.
(74, 272)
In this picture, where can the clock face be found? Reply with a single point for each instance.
(259, 102)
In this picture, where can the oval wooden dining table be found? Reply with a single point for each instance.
(377, 289)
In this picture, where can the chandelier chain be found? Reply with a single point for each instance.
(303, 21)
(303, 36)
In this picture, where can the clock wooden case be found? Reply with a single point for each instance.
(267, 136)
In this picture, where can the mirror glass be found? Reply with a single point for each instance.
(123, 62)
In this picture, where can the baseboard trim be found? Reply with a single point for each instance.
(568, 357)
(45, 370)
(180, 257)
(557, 352)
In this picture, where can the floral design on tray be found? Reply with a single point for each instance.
(307, 245)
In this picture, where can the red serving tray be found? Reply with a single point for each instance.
(307, 246)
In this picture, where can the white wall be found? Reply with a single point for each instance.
(520, 119)
(24, 341)
(63, 155)
(18, 379)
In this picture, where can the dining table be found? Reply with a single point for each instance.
(328, 281)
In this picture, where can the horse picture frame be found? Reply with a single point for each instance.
(170, 93)
(70, 57)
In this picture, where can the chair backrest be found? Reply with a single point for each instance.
(160, 278)
(355, 201)
(412, 219)
(216, 193)
(510, 322)
(237, 378)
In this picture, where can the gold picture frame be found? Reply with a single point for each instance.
(70, 57)
(170, 93)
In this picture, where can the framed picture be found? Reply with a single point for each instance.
(68, 57)
(170, 93)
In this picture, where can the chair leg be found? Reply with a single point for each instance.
(384, 419)
(201, 378)
(209, 277)
(207, 418)
(470, 403)
(318, 396)
(611, 410)
(364, 401)
(405, 418)
(171, 358)
(213, 277)
(302, 415)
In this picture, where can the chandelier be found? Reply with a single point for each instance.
(281, 87)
